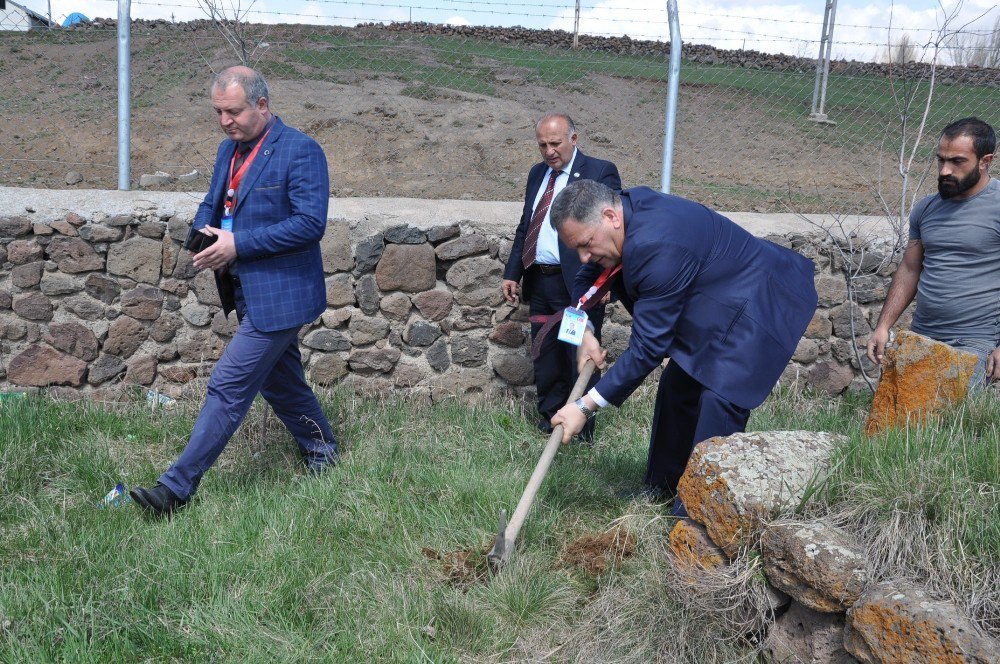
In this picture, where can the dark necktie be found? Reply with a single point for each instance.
(535, 227)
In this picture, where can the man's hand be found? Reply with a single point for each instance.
(571, 419)
(590, 349)
(510, 290)
(993, 366)
(876, 345)
(220, 254)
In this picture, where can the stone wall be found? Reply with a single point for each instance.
(97, 297)
(624, 45)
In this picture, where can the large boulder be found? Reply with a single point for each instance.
(816, 563)
(920, 376)
(902, 623)
(734, 484)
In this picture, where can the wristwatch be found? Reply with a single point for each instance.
(588, 413)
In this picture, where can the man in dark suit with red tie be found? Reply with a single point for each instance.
(546, 267)
(727, 308)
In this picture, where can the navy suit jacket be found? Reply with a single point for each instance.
(584, 168)
(279, 219)
(727, 307)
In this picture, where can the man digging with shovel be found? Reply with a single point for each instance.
(727, 308)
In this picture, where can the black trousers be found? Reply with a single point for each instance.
(686, 413)
(555, 368)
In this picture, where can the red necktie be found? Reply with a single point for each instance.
(531, 238)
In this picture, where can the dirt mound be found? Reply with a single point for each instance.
(595, 552)
(462, 568)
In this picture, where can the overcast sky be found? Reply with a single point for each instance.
(777, 26)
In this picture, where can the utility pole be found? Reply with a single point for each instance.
(576, 27)
(818, 113)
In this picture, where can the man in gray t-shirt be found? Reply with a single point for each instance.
(952, 261)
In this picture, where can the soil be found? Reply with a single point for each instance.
(462, 568)
(594, 553)
(383, 135)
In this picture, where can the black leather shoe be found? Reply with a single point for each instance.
(158, 502)
(319, 465)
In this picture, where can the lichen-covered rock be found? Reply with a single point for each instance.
(692, 548)
(803, 636)
(816, 563)
(902, 623)
(734, 484)
(39, 366)
(406, 267)
(920, 376)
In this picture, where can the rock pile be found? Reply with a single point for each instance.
(832, 611)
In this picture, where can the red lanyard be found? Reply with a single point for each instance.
(601, 280)
(234, 180)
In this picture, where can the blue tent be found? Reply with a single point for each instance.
(75, 17)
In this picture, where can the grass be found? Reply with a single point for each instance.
(360, 564)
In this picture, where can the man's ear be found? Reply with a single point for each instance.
(262, 104)
(611, 215)
(987, 160)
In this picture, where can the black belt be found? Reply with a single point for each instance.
(548, 269)
(235, 278)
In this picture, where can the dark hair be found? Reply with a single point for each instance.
(571, 126)
(984, 139)
(250, 81)
(582, 201)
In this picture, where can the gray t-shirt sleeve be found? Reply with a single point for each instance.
(915, 214)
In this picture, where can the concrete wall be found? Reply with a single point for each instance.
(97, 297)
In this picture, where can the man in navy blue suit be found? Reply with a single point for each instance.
(545, 265)
(266, 208)
(727, 308)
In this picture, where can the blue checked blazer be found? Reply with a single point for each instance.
(279, 219)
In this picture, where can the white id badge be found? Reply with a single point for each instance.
(574, 324)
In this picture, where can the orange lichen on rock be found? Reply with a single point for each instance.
(692, 547)
(920, 376)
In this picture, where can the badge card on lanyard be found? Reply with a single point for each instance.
(234, 183)
(574, 324)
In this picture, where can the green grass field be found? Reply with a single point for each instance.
(382, 558)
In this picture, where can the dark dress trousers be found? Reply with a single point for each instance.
(727, 308)
(555, 368)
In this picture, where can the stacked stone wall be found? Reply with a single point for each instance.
(105, 302)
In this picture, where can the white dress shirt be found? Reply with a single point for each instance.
(547, 249)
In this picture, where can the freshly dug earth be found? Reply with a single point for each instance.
(594, 553)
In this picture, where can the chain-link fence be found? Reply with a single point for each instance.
(425, 110)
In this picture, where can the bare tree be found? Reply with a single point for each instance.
(901, 52)
(231, 19)
(867, 252)
(977, 49)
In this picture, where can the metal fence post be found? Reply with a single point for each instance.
(124, 92)
(673, 81)
(818, 113)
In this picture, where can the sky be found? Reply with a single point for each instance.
(862, 29)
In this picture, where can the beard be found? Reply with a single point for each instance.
(950, 186)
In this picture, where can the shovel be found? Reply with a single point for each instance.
(507, 533)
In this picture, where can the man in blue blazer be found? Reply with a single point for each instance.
(266, 208)
(545, 265)
(727, 308)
